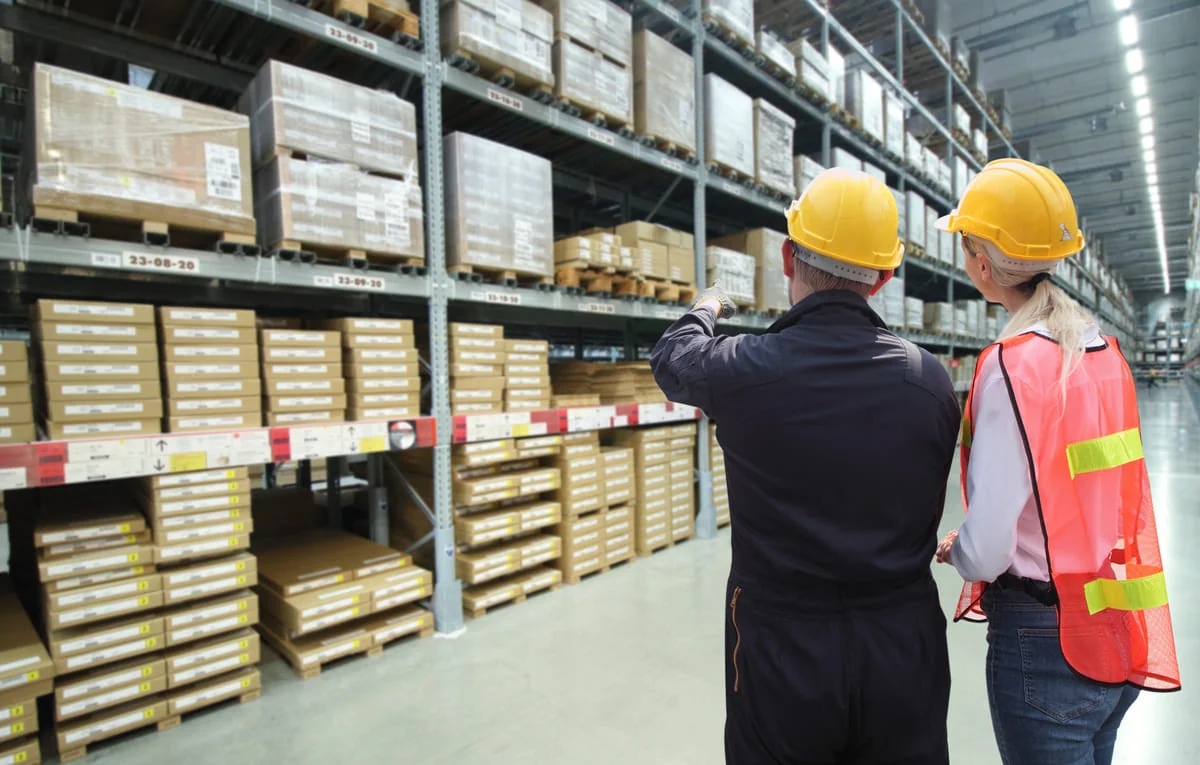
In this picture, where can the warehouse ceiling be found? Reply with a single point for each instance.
(1063, 64)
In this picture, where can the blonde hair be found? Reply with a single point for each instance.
(1064, 319)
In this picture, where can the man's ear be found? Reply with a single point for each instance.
(789, 266)
(884, 278)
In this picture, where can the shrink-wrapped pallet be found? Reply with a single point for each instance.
(893, 123)
(735, 271)
(728, 125)
(510, 34)
(119, 151)
(776, 52)
(864, 99)
(499, 207)
(664, 91)
(593, 83)
(735, 16)
(773, 129)
(320, 116)
(597, 25)
(806, 170)
(765, 246)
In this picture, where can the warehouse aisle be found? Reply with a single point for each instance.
(627, 667)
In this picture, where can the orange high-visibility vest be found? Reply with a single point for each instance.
(1092, 493)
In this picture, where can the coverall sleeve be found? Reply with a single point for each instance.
(688, 361)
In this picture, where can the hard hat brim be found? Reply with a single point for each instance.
(945, 223)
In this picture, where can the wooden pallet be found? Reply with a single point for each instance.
(725, 171)
(503, 277)
(56, 220)
(914, 249)
(646, 552)
(728, 36)
(577, 578)
(518, 598)
(652, 290)
(369, 649)
(622, 126)
(473, 63)
(292, 250)
(813, 96)
(389, 19)
(585, 281)
(669, 147)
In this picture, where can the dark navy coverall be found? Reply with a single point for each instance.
(838, 440)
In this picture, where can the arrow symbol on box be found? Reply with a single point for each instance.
(158, 465)
(162, 445)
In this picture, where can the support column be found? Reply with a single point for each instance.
(706, 517)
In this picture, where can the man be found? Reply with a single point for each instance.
(838, 440)
(1152, 381)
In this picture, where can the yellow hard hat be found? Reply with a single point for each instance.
(1022, 208)
(848, 216)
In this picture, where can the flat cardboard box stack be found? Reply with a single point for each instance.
(499, 207)
(583, 499)
(301, 371)
(664, 91)
(16, 403)
(516, 36)
(526, 375)
(681, 468)
(593, 249)
(593, 56)
(773, 130)
(770, 284)
(383, 374)
(196, 516)
(26, 673)
(100, 369)
(620, 494)
(652, 515)
(716, 465)
(728, 126)
(620, 383)
(210, 366)
(660, 252)
(478, 353)
(327, 593)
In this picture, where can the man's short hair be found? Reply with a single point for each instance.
(820, 281)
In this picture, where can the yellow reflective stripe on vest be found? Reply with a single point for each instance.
(1126, 595)
(1105, 452)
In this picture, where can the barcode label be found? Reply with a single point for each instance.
(223, 167)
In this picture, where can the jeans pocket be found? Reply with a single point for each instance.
(1051, 686)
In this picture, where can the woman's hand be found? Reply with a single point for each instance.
(943, 548)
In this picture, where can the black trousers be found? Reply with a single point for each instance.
(862, 681)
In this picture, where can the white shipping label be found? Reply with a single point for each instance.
(127, 389)
(207, 613)
(228, 386)
(364, 206)
(508, 13)
(18, 663)
(195, 404)
(203, 333)
(129, 407)
(399, 629)
(207, 669)
(117, 606)
(184, 577)
(223, 168)
(92, 641)
(97, 330)
(396, 225)
(206, 629)
(75, 309)
(360, 132)
(85, 733)
(217, 585)
(99, 369)
(208, 350)
(103, 700)
(71, 599)
(108, 654)
(376, 354)
(295, 353)
(208, 695)
(181, 314)
(96, 350)
(75, 691)
(522, 237)
(208, 654)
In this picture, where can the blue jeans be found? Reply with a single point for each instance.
(1043, 712)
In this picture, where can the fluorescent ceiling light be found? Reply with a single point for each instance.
(1134, 61)
(1128, 29)
(1143, 107)
(1146, 125)
(1152, 179)
(1140, 86)
(1148, 156)
(1152, 168)
(1147, 142)
(1122, 5)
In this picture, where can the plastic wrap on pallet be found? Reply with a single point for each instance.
(514, 34)
(325, 117)
(776, 52)
(812, 67)
(893, 300)
(328, 204)
(929, 162)
(122, 151)
(960, 52)
(837, 75)
(764, 245)
(893, 123)
(937, 24)
(773, 129)
(914, 313)
(590, 81)
(931, 232)
(947, 246)
(806, 170)
(962, 119)
(914, 218)
(595, 24)
(975, 78)
(846, 159)
(901, 220)
(864, 99)
(664, 90)
(913, 155)
(728, 125)
(999, 100)
(737, 16)
(499, 207)
(939, 317)
(980, 141)
(735, 271)
(960, 176)
(944, 175)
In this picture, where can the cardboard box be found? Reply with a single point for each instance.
(173, 503)
(305, 562)
(98, 427)
(187, 335)
(764, 245)
(224, 420)
(305, 403)
(374, 355)
(178, 371)
(108, 723)
(460, 370)
(100, 645)
(80, 615)
(286, 386)
(93, 373)
(87, 332)
(597, 24)
(518, 39)
(202, 548)
(735, 271)
(85, 391)
(95, 562)
(116, 409)
(25, 751)
(211, 352)
(16, 414)
(103, 688)
(357, 387)
(385, 370)
(312, 612)
(245, 683)
(83, 311)
(179, 388)
(353, 325)
(681, 265)
(773, 132)
(17, 434)
(305, 418)
(498, 207)
(297, 355)
(70, 549)
(189, 316)
(209, 578)
(271, 372)
(463, 329)
(212, 616)
(15, 393)
(590, 81)
(25, 668)
(864, 99)
(191, 407)
(178, 533)
(98, 352)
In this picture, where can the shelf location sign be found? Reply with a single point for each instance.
(143, 261)
(350, 281)
(353, 38)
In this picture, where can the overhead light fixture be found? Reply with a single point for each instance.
(1140, 86)
(1146, 125)
(1122, 5)
(1143, 107)
(1133, 60)
(1127, 28)
(1148, 156)
(1147, 142)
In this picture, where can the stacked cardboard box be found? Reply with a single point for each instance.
(194, 516)
(681, 468)
(812, 67)
(893, 123)
(736, 17)
(478, 353)
(26, 673)
(594, 249)
(776, 53)
(773, 129)
(764, 245)
(515, 36)
(100, 366)
(301, 370)
(619, 484)
(735, 271)
(286, 473)
(660, 252)
(620, 543)
(592, 57)
(806, 170)
(914, 224)
(864, 98)
(939, 318)
(327, 593)
(620, 383)
(664, 91)
(716, 465)
(652, 466)
(210, 365)
(383, 374)
(914, 313)
(16, 403)
(597, 525)
(526, 375)
(728, 126)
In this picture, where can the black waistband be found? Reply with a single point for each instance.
(808, 595)
(1042, 592)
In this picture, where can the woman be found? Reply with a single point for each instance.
(1059, 548)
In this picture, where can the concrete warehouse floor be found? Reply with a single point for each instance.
(627, 667)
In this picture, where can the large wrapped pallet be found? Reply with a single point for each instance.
(319, 116)
(337, 206)
(734, 17)
(735, 271)
(592, 83)
(864, 99)
(664, 91)
(118, 151)
(499, 207)
(510, 34)
(773, 130)
(728, 126)
(597, 25)
(770, 284)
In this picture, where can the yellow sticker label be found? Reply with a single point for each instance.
(20, 757)
(180, 463)
(244, 658)
(143, 585)
(354, 599)
(18, 727)
(243, 644)
(149, 713)
(354, 644)
(34, 675)
(151, 642)
(131, 538)
(242, 619)
(241, 605)
(235, 513)
(138, 569)
(144, 628)
(232, 542)
(520, 430)
(144, 687)
(239, 526)
(340, 577)
(17, 711)
(246, 682)
(133, 557)
(230, 473)
(234, 500)
(143, 601)
(147, 671)
(372, 444)
(233, 485)
(241, 565)
(354, 612)
(124, 528)
(241, 580)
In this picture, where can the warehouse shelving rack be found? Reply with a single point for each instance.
(35, 257)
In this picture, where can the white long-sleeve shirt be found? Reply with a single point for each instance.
(1002, 531)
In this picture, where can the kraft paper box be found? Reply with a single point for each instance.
(108, 723)
(765, 246)
(24, 664)
(338, 206)
(597, 24)
(735, 271)
(187, 316)
(325, 117)
(115, 149)
(773, 130)
(865, 101)
(737, 16)
(245, 682)
(591, 82)
(102, 688)
(498, 207)
(84, 332)
(350, 326)
(77, 411)
(210, 351)
(728, 125)
(513, 34)
(664, 91)
(87, 312)
(209, 578)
